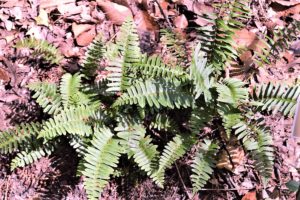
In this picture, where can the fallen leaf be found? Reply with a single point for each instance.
(86, 38)
(54, 3)
(293, 10)
(4, 76)
(181, 21)
(287, 3)
(247, 39)
(237, 156)
(145, 22)
(69, 9)
(250, 196)
(42, 18)
(115, 12)
(77, 29)
(13, 3)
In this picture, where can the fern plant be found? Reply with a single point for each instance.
(143, 98)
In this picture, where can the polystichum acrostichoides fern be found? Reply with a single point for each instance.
(143, 97)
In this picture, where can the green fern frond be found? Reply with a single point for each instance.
(277, 98)
(217, 39)
(71, 120)
(232, 91)
(69, 89)
(42, 49)
(174, 150)
(19, 137)
(203, 164)
(144, 152)
(46, 95)
(93, 57)
(230, 116)
(153, 67)
(28, 157)
(199, 116)
(155, 93)
(128, 52)
(78, 143)
(174, 45)
(99, 162)
(164, 122)
(200, 74)
(263, 155)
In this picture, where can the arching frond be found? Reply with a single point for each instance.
(203, 164)
(174, 150)
(28, 157)
(92, 57)
(277, 98)
(71, 120)
(232, 91)
(19, 137)
(153, 67)
(155, 93)
(41, 48)
(199, 116)
(128, 52)
(99, 162)
(200, 74)
(47, 96)
(164, 122)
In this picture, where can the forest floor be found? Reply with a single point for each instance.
(71, 25)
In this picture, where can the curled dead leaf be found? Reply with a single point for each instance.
(77, 29)
(287, 3)
(145, 22)
(4, 76)
(181, 22)
(115, 12)
(86, 38)
(250, 196)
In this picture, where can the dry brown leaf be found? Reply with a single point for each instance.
(247, 39)
(86, 38)
(42, 18)
(115, 12)
(4, 76)
(250, 196)
(293, 10)
(77, 29)
(145, 22)
(287, 3)
(13, 3)
(237, 156)
(54, 3)
(181, 22)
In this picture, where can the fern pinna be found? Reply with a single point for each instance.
(141, 98)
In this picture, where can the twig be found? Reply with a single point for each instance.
(181, 180)
(164, 15)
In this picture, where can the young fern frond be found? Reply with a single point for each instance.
(46, 95)
(24, 158)
(155, 93)
(277, 98)
(203, 164)
(200, 74)
(99, 161)
(128, 52)
(153, 67)
(42, 49)
(232, 91)
(174, 150)
(93, 57)
(71, 120)
(19, 137)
